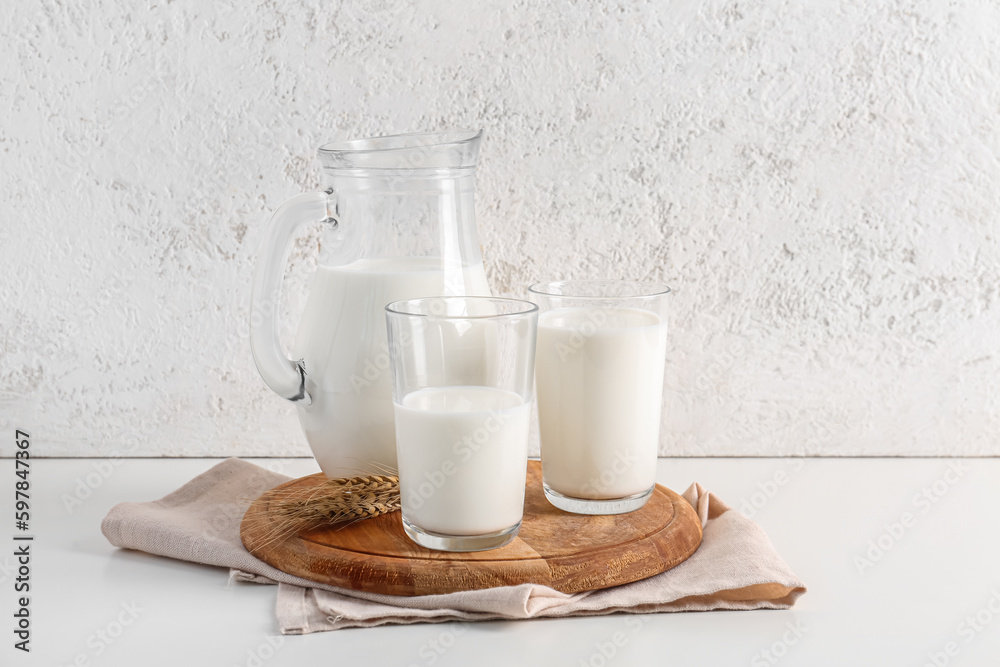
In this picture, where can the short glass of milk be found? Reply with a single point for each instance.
(462, 389)
(599, 376)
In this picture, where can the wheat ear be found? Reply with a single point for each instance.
(340, 500)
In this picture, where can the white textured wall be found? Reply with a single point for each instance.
(819, 182)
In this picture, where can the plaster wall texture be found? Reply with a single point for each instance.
(817, 181)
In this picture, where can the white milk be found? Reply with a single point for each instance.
(463, 456)
(342, 340)
(599, 381)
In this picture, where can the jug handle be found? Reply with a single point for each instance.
(285, 377)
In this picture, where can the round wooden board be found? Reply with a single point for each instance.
(568, 552)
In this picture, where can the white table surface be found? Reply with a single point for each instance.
(915, 604)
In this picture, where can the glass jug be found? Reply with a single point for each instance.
(399, 223)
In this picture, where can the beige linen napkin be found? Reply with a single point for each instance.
(734, 568)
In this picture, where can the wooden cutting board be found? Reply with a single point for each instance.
(568, 552)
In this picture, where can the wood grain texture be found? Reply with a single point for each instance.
(569, 552)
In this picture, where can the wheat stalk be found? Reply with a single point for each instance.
(341, 500)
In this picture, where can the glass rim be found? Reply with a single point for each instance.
(527, 307)
(644, 289)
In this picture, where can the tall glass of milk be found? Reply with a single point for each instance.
(599, 375)
(462, 388)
